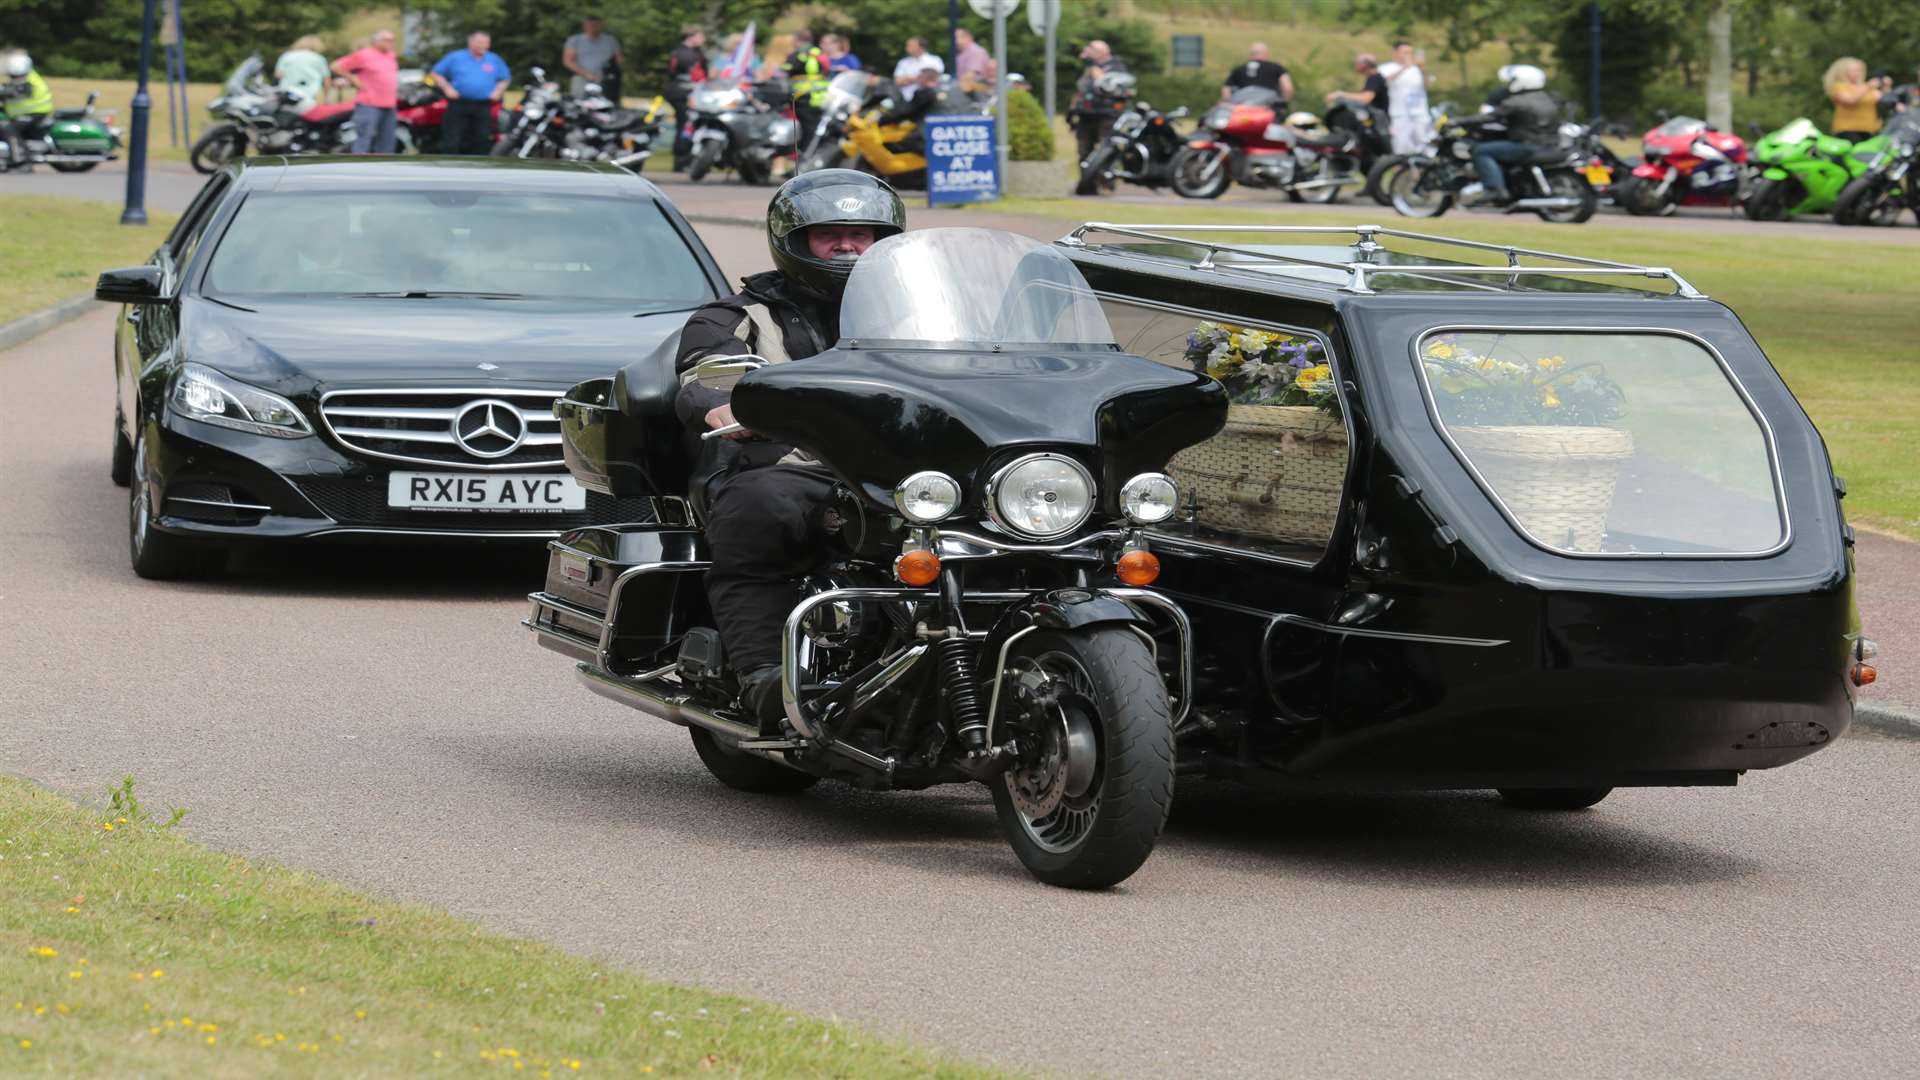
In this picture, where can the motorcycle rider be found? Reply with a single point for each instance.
(1532, 119)
(765, 500)
(925, 98)
(1091, 113)
(27, 110)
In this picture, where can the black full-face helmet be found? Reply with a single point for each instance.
(827, 197)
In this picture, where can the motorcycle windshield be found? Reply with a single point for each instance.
(713, 99)
(976, 289)
(1799, 131)
(1255, 95)
(1681, 125)
(847, 91)
(1903, 127)
(244, 75)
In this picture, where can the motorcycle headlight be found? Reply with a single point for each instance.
(203, 394)
(927, 497)
(1149, 499)
(1040, 496)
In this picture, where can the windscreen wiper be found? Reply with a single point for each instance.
(436, 294)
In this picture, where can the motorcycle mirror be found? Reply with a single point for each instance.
(722, 372)
(591, 89)
(539, 73)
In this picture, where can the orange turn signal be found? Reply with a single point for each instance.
(1138, 567)
(917, 567)
(1863, 674)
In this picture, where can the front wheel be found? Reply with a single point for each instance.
(155, 555)
(1191, 179)
(506, 147)
(1553, 798)
(1380, 178)
(1416, 190)
(704, 159)
(1091, 170)
(1766, 200)
(1636, 195)
(72, 166)
(216, 146)
(744, 772)
(1564, 184)
(1089, 794)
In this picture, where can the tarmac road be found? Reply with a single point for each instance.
(378, 716)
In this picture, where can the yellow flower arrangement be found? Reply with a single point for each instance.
(1473, 385)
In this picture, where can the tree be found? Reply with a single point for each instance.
(100, 38)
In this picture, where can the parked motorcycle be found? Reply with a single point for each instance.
(590, 127)
(1244, 140)
(735, 128)
(848, 95)
(1552, 182)
(70, 140)
(523, 130)
(1139, 148)
(1687, 164)
(1803, 171)
(979, 612)
(423, 115)
(263, 119)
(1890, 183)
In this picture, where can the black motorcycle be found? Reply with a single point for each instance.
(1139, 149)
(978, 612)
(1890, 183)
(737, 129)
(1551, 181)
(591, 127)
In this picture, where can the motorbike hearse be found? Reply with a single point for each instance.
(1329, 508)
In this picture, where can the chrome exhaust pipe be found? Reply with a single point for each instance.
(1338, 181)
(627, 161)
(1557, 202)
(657, 699)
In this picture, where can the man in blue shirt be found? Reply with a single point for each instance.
(473, 79)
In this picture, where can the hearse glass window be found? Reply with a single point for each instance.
(1605, 443)
(513, 245)
(1271, 481)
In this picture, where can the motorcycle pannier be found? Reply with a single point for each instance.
(619, 436)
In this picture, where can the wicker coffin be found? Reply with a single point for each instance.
(1275, 472)
(1557, 481)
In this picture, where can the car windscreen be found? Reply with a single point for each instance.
(454, 241)
(1608, 443)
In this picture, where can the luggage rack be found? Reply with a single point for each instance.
(1367, 249)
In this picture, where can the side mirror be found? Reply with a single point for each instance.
(539, 74)
(130, 285)
(722, 372)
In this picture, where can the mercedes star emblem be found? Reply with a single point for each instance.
(489, 428)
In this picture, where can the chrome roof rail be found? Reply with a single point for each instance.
(1367, 248)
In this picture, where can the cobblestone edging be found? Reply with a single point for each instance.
(39, 322)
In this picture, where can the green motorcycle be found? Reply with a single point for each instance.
(1891, 182)
(70, 140)
(1802, 171)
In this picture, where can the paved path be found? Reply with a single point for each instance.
(379, 717)
(171, 185)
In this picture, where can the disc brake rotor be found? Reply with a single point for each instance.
(1066, 759)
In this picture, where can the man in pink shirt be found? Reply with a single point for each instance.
(375, 72)
(971, 67)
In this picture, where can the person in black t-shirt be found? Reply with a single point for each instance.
(686, 66)
(1259, 70)
(1372, 92)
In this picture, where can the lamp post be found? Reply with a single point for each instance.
(136, 211)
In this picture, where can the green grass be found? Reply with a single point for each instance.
(52, 248)
(1828, 313)
(133, 952)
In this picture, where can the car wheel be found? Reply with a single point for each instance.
(744, 772)
(1578, 798)
(122, 468)
(155, 555)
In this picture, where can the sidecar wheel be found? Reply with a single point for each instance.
(1086, 802)
(744, 772)
(1553, 798)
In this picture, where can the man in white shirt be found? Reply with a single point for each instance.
(1408, 118)
(906, 73)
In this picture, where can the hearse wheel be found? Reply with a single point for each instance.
(1553, 798)
(1089, 794)
(155, 555)
(742, 771)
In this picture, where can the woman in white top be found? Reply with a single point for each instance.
(1410, 123)
(301, 69)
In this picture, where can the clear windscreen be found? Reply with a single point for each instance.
(969, 288)
(243, 76)
(1255, 95)
(1799, 131)
(847, 91)
(717, 98)
(1904, 127)
(1681, 125)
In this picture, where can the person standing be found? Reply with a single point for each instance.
(971, 62)
(1259, 70)
(474, 78)
(807, 79)
(1093, 110)
(588, 53)
(906, 73)
(686, 66)
(1409, 121)
(839, 54)
(1854, 97)
(1372, 92)
(302, 70)
(375, 74)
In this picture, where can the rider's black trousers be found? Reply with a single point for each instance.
(763, 530)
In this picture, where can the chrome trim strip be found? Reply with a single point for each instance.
(1273, 618)
(1726, 370)
(221, 505)
(451, 534)
(613, 599)
(1183, 632)
(395, 434)
(397, 412)
(1001, 547)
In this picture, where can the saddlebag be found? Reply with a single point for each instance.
(619, 435)
(621, 596)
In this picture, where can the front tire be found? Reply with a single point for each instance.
(1409, 195)
(704, 159)
(1565, 184)
(1869, 200)
(155, 555)
(1188, 169)
(121, 470)
(1381, 176)
(1084, 805)
(1636, 196)
(1090, 171)
(72, 166)
(743, 772)
(216, 146)
(1766, 201)
(1553, 798)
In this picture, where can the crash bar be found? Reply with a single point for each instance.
(1366, 244)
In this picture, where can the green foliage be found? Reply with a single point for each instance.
(1635, 47)
(101, 38)
(1029, 136)
(530, 32)
(123, 808)
(1170, 90)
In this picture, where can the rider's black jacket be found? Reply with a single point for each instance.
(1530, 116)
(919, 105)
(766, 317)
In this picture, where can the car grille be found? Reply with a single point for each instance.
(490, 428)
(356, 502)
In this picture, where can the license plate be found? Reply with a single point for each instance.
(542, 493)
(1599, 174)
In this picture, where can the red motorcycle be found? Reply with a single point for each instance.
(1688, 164)
(1244, 139)
(423, 112)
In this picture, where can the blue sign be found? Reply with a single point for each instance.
(961, 165)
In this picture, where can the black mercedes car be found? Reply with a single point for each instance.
(353, 347)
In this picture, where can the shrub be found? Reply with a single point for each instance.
(1029, 138)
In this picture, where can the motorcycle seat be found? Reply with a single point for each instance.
(79, 113)
(335, 113)
(621, 119)
(1543, 155)
(1330, 140)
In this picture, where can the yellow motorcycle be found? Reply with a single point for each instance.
(876, 148)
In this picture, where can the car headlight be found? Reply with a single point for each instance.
(927, 497)
(203, 394)
(1040, 496)
(1149, 499)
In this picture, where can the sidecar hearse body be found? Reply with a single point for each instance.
(1483, 516)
